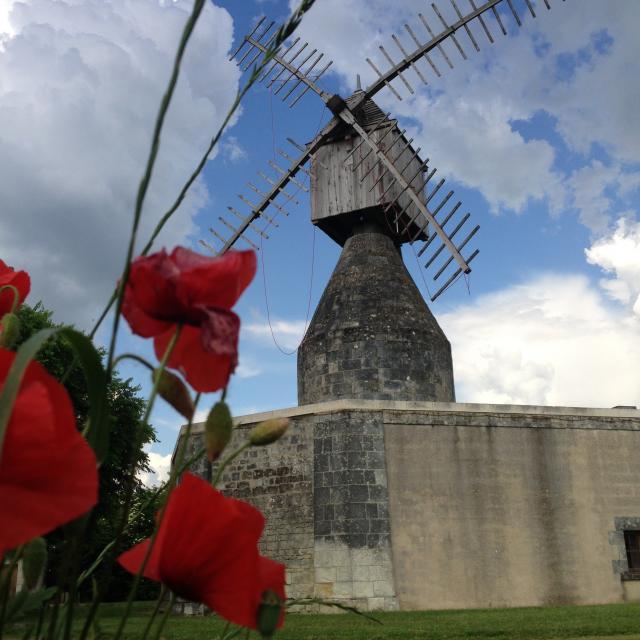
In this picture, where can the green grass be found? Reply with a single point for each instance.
(594, 622)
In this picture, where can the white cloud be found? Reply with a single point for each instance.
(598, 103)
(288, 333)
(6, 30)
(233, 151)
(552, 340)
(80, 84)
(247, 369)
(588, 186)
(618, 254)
(160, 467)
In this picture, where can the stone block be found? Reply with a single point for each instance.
(383, 588)
(379, 572)
(343, 589)
(362, 589)
(360, 572)
(324, 590)
(325, 574)
(344, 574)
(376, 604)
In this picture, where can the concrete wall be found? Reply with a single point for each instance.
(430, 505)
(511, 506)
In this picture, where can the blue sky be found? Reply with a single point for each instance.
(539, 135)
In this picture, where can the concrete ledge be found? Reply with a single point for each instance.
(335, 406)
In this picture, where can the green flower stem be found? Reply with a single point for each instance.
(137, 358)
(146, 178)
(5, 584)
(144, 422)
(16, 296)
(152, 617)
(330, 603)
(35, 631)
(164, 618)
(78, 528)
(161, 367)
(225, 463)
(173, 477)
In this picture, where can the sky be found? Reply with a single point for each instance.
(539, 135)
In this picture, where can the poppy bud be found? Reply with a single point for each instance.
(9, 330)
(175, 392)
(269, 613)
(268, 431)
(217, 430)
(34, 558)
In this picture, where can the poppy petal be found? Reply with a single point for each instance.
(213, 282)
(217, 538)
(203, 370)
(150, 305)
(47, 470)
(206, 550)
(18, 279)
(140, 322)
(132, 559)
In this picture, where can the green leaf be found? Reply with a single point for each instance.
(34, 559)
(25, 602)
(97, 432)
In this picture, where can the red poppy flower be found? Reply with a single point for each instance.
(48, 471)
(206, 551)
(18, 279)
(183, 287)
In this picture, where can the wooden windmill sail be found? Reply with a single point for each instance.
(377, 164)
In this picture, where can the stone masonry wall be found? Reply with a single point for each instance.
(351, 504)
(277, 480)
(323, 491)
(372, 335)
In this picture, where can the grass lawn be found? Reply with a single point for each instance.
(601, 622)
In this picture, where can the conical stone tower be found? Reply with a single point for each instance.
(372, 336)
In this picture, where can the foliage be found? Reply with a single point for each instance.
(127, 408)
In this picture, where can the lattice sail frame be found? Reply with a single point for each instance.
(295, 68)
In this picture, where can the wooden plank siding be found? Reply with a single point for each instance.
(336, 189)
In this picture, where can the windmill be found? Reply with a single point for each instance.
(362, 172)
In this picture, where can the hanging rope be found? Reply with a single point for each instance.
(313, 254)
(266, 298)
(424, 280)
